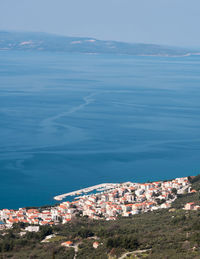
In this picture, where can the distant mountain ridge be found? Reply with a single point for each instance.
(50, 42)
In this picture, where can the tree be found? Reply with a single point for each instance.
(45, 231)
(84, 233)
(174, 191)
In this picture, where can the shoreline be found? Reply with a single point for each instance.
(110, 201)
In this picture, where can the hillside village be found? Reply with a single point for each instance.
(125, 199)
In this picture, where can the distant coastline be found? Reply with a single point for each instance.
(49, 42)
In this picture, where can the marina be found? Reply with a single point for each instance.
(99, 187)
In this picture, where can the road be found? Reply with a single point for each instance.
(133, 253)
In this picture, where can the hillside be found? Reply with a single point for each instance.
(168, 233)
(50, 42)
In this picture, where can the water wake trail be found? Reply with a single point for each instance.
(50, 124)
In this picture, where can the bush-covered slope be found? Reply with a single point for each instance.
(167, 233)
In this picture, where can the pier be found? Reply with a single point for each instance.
(99, 187)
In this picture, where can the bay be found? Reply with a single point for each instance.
(69, 121)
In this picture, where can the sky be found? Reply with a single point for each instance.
(169, 22)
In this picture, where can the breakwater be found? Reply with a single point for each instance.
(98, 187)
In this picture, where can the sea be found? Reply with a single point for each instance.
(69, 121)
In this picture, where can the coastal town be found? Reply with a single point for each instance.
(108, 202)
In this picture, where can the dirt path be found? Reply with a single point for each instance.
(133, 253)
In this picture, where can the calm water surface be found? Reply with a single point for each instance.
(69, 121)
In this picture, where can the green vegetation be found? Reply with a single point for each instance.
(57, 239)
(168, 233)
(189, 197)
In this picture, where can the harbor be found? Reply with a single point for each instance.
(99, 187)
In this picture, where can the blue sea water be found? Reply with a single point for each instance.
(69, 121)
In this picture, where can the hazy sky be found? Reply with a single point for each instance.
(174, 22)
